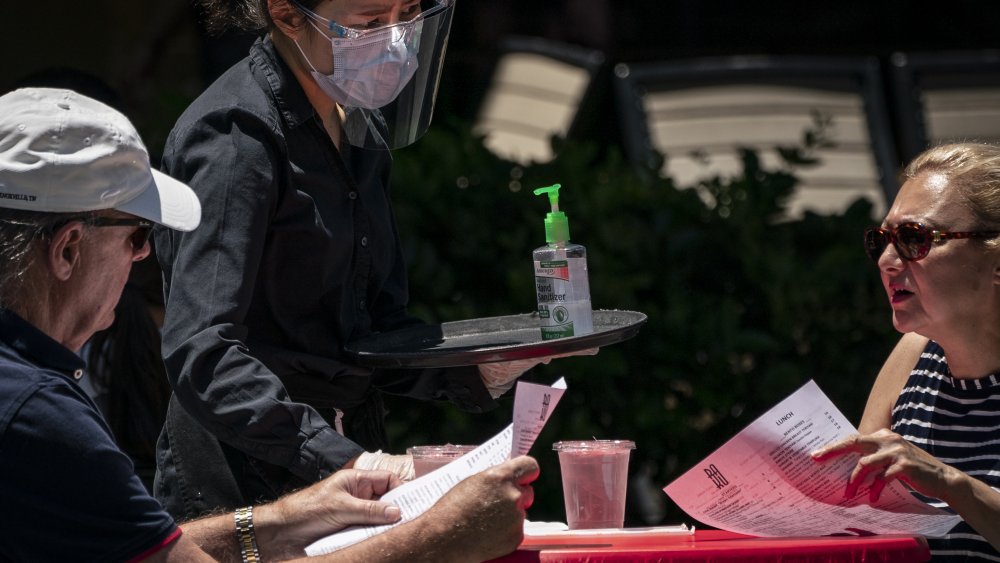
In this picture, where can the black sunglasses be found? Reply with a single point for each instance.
(912, 241)
(138, 239)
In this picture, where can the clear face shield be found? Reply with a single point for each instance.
(386, 78)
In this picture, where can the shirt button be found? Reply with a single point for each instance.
(364, 241)
(352, 195)
(361, 304)
(77, 374)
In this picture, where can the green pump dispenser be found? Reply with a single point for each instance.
(556, 222)
(561, 283)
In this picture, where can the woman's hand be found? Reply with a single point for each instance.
(401, 465)
(499, 377)
(885, 456)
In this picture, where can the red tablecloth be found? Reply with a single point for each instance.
(716, 545)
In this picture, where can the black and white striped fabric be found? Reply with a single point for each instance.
(958, 422)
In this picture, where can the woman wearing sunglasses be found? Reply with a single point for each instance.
(298, 252)
(933, 417)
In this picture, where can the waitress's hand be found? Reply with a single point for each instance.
(401, 465)
(499, 377)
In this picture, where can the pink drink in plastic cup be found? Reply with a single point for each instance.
(594, 477)
(429, 458)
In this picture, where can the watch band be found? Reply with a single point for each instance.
(245, 535)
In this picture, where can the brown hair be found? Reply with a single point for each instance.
(245, 15)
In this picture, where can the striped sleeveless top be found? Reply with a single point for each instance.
(958, 422)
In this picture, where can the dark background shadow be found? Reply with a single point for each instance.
(157, 57)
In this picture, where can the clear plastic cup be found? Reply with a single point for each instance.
(429, 458)
(595, 478)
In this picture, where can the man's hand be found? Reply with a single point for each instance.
(480, 518)
(346, 498)
(483, 516)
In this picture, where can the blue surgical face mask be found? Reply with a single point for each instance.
(371, 69)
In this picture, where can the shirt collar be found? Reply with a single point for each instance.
(31, 343)
(273, 74)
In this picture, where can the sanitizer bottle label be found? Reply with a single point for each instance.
(563, 297)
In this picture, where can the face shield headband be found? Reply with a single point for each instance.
(425, 10)
(385, 78)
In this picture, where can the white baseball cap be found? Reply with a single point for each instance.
(63, 152)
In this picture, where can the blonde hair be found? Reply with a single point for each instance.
(971, 168)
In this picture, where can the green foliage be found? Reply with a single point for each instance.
(743, 307)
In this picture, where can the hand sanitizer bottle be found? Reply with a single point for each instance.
(561, 277)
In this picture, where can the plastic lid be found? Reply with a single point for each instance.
(593, 445)
(447, 450)
(556, 222)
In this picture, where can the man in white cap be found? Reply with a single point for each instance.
(77, 201)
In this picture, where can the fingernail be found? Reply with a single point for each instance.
(392, 513)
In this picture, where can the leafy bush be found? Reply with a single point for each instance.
(743, 308)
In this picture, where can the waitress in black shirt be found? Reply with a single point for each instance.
(297, 252)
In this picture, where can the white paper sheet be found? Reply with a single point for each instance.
(763, 481)
(533, 403)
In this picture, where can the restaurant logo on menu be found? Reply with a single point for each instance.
(718, 479)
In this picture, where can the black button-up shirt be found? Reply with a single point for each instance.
(297, 253)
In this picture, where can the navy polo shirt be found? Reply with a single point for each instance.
(67, 493)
